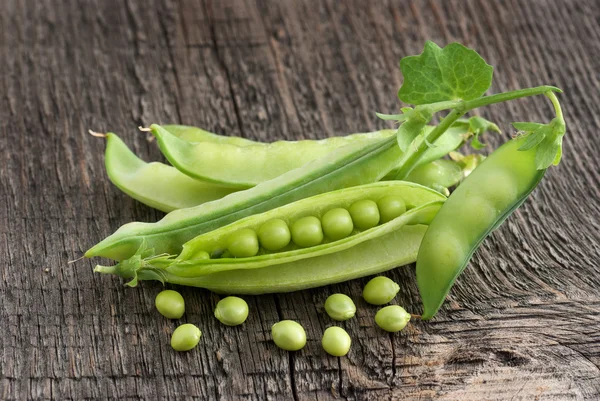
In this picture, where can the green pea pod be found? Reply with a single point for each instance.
(246, 166)
(240, 163)
(370, 257)
(188, 268)
(165, 188)
(478, 206)
(155, 184)
(352, 165)
(194, 134)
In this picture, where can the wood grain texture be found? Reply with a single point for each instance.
(522, 322)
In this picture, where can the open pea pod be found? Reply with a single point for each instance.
(388, 244)
(398, 248)
(155, 184)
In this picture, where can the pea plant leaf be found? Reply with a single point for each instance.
(412, 127)
(546, 138)
(454, 72)
(478, 126)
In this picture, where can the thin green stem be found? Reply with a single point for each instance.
(504, 97)
(409, 163)
(556, 104)
(486, 100)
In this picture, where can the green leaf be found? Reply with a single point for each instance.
(479, 125)
(476, 143)
(413, 126)
(558, 152)
(546, 139)
(526, 126)
(454, 72)
(407, 132)
(532, 140)
(546, 153)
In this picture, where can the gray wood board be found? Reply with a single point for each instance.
(521, 323)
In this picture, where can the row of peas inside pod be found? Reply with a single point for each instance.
(288, 334)
(304, 232)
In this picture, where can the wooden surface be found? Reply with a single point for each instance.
(522, 322)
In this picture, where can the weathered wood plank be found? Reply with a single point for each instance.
(521, 323)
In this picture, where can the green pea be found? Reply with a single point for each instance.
(340, 307)
(243, 243)
(392, 318)
(365, 214)
(477, 213)
(185, 337)
(274, 235)
(390, 207)
(448, 249)
(231, 311)
(336, 341)
(170, 304)
(380, 290)
(288, 335)
(307, 232)
(500, 187)
(200, 255)
(337, 224)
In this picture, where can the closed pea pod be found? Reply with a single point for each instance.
(155, 184)
(241, 163)
(480, 204)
